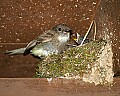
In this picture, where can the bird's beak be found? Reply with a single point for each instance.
(70, 31)
(74, 36)
(75, 39)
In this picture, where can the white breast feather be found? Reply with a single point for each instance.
(63, 38)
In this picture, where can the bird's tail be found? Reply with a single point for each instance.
(16, 51)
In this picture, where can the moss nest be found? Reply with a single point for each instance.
(90, 62)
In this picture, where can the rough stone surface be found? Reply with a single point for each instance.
(102, 70)
(57, 87)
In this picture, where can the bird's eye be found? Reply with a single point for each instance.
(59, 29)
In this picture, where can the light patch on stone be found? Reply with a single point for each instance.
(102, 70)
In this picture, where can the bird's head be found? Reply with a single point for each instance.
(64, 32)
(61, 28)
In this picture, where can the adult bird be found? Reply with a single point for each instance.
(53, 41)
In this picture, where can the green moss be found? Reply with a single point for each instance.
(73, 62)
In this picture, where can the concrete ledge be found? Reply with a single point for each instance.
(56, 87)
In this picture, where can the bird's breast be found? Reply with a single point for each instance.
(64, 38)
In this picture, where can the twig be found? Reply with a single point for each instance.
(72, 45)
(87, 33)
(94, 31)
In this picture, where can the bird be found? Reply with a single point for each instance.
(52, 41)
(80, 38)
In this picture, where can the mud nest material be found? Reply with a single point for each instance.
(91, 62)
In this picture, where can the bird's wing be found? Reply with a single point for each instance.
(44, 37)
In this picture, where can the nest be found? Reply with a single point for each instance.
(91, 62)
